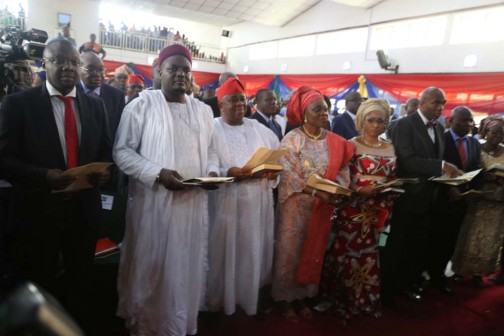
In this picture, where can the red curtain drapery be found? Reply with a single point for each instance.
(201, 78)
(327, 84)
(480, 91)
(252, 83)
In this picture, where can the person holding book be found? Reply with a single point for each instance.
(45, 131)
(304, 213)
(480, 240)
(351, 274)
(163, 138)
(240, 246)
(463, 151)
(419, 145)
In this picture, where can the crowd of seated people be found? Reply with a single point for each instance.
(152, 40)
(352, 239)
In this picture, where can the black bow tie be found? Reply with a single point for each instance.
(431, 123)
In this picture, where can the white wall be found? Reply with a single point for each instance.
(127, 56)
(330, 16)
(43, 15)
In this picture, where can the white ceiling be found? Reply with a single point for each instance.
(227, 12)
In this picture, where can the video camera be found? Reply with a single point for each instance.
(17, 45)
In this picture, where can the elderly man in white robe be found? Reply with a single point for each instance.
(165, 136)
(241, 213)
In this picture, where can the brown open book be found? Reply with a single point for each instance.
(264, 160)
(317, 182)
(497, 169)
(455, 181)
(80, 173)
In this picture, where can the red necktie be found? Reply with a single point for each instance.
(462, 153)
(71, 136)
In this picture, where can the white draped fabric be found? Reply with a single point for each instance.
(162, 272)
(241, 222)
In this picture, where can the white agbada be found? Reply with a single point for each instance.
(162, 272)
(241, 222)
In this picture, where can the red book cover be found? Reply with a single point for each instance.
(105, 246)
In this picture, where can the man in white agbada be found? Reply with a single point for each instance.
(165, 136)
(241, 213)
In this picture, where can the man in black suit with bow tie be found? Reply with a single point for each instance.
(419, 143)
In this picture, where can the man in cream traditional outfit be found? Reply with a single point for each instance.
(165, 136)
(241, 213)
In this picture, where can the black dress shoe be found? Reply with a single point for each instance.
(412, 295)
(444, 289)
(418, 288)
(478, 282)
(458, 278)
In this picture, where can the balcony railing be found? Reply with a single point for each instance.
(153, 44)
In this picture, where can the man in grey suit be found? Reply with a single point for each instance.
(419, 144)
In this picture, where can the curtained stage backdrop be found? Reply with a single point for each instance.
(483, 92)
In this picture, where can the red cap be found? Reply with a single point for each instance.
(135, 79)
(174, 49)
(232, 85)
(298, 103)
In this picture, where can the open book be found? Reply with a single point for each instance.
(392, 189)
(397, 182)
(198, 181)
(497, 169)
(264, 160)
(317, 182)
(455, 181)
(80, 173)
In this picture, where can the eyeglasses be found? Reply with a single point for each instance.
(93, 70)
(61, 61)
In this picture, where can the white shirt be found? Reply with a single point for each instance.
(58, 108)
(430, 130)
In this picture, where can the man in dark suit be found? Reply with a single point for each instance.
(464, 152)
(419, 145)
(44, 131)
(267, 107)
(344, 124)
(93, 83)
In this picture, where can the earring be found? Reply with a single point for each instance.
(305, 120)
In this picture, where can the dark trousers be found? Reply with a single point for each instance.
(5, 196)
(404, 256)
(448, 218)
(56, 252)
